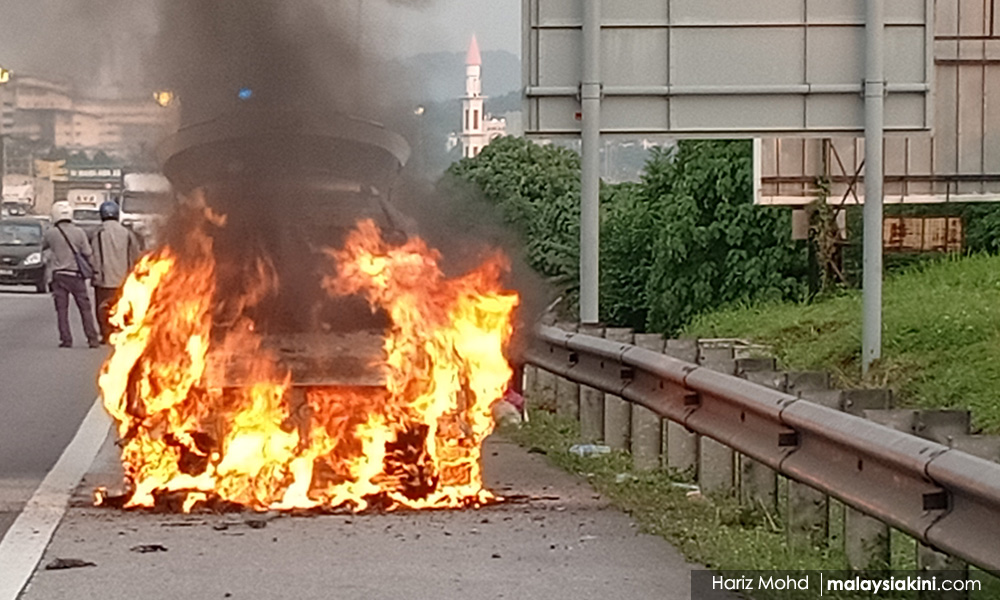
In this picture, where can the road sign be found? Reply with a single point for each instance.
(700, 68)
(721, 68)
(53, 170)
(959, 162)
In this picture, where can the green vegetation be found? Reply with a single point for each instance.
(685, 250)
(941, 343)
(712, 245)
(685, 239)
(718, 533)
(537, 190)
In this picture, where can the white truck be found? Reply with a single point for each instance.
(86, 204)
(146, 201)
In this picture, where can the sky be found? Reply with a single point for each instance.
(447, 25)
(64, 38)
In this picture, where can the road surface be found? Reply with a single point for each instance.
(558, 540)
(563, 543)
(44, 392)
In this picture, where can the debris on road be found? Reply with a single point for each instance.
(506, 414)
(147, 548)
(589, 450)
(60, 564)
(696, 496)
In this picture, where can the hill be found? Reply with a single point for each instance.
(941, 339)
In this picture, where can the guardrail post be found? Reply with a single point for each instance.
(681, 444)
(647, 427)
(591, 400)
(799, 382)
(567, 392)
(986, 447)
(866, 539)
(617, 412)
(808, 519)
(544, 397)
(866, 542)
(941, 426)
(529, 384)
(856, 402)
(716, 471)
(758, 482)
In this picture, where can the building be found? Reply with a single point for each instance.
(44, 113)
(478, 127)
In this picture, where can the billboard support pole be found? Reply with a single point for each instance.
(590, 163)
(871, 338)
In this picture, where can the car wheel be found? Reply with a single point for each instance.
(40, 287)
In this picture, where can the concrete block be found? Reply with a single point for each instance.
(866, 542)
(942, 426)
(929, 559)
(746, 365)
(591, 401)
(546, 394)
(808, 519)
(857, 402)
(939, 426)
(719, 359)
(530, 382)
(809, 509)
(984, 446)
(683, 349)
(829, 398)
(803, 381)
(617, 412)
(716, 466)
(716, 472)
(776, 380)
(567, 392)
(758, 484)
(682, 446)
(682, 449)
(650, 341)
(647, 427)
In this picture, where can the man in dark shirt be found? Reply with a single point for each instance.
(65, 241)
(116, 249)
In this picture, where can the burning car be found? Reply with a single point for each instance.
(293, 344)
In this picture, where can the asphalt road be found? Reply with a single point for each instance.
(556, 539)
(45, 391)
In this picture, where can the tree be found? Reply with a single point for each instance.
(714, 246)
(537, 189)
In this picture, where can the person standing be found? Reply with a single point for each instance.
(70, 260)
(116, 249)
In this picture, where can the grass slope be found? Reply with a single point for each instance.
(941, 336)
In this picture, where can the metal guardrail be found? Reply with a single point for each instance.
(942, 497)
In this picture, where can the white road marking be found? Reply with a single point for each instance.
(22, 547)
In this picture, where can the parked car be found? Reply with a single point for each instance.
(13, 208)
(21, 261)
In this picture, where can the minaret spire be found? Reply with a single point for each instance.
(472, 115)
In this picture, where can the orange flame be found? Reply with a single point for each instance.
(271, 445)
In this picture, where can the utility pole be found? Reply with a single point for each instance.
(5, 77)
(871, 338)
(590, 164)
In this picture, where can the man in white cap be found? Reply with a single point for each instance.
(70, 263)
